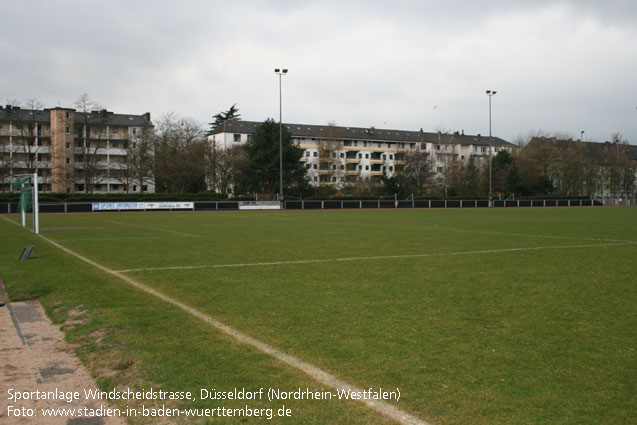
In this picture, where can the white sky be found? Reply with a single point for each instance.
(558, 66)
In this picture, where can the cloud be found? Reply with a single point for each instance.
(557, 66)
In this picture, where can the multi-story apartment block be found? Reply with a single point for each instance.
(339, 156)
(72, 151)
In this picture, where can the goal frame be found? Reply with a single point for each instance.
(35, 207)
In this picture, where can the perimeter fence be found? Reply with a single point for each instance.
(75, 207)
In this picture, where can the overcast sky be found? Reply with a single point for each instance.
(557, 66)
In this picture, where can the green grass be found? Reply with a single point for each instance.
(507, 336)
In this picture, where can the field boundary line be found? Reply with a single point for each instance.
(155, 228)
(540, 236)
(314, 372)
(377, 257)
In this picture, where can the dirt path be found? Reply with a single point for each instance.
(35, 357)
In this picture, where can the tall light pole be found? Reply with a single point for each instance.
(490, 93)
(281, 73)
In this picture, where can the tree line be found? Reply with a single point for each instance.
(177, 155)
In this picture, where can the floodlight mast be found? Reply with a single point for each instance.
(280, 72)
(490, 93)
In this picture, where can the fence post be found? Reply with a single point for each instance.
(445, 203)
(322, 205)
(360, 205)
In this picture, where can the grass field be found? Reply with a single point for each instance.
(516, 316)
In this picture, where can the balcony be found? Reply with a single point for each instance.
(352, 160)
(324, 172)
(376, 161)
(352, 172)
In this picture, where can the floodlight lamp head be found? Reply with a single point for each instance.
(285, 71)
(277, 70)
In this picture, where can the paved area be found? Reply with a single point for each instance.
(35, 358)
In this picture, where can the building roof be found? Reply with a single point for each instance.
(359, 133)
(593, 148)
(13, 113)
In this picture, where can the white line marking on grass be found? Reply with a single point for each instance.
(540, 236)
(312, 371)
(378, 257)
(114, 239)
(155, 228)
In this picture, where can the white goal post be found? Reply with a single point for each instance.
(27, 184)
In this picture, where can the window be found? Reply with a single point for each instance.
(342, 155)
(439, 169)
(315, 154)
(364, 144)
(391, 156)
(134, 188)
(68, 130)
(307, 153)
(236, 138)
(115, 144)
(134, 145)
(115, 187)
(67, 115)
(333, 154)
(315, 167)
(367, 167)
(68, 145)
(134, 131)
(366, 156)
(384, 156)
(68, 161)
(144, 188)
(437, 147)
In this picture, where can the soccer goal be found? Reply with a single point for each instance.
(27, 184)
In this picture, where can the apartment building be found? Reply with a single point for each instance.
(339, 156)
(72, 151)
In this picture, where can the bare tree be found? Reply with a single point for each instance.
(331, 166)
(137, 168)
(179, 155)
(417, 173)
(22, 150)
(91, 124)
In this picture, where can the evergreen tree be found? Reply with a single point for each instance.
(260, 169)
